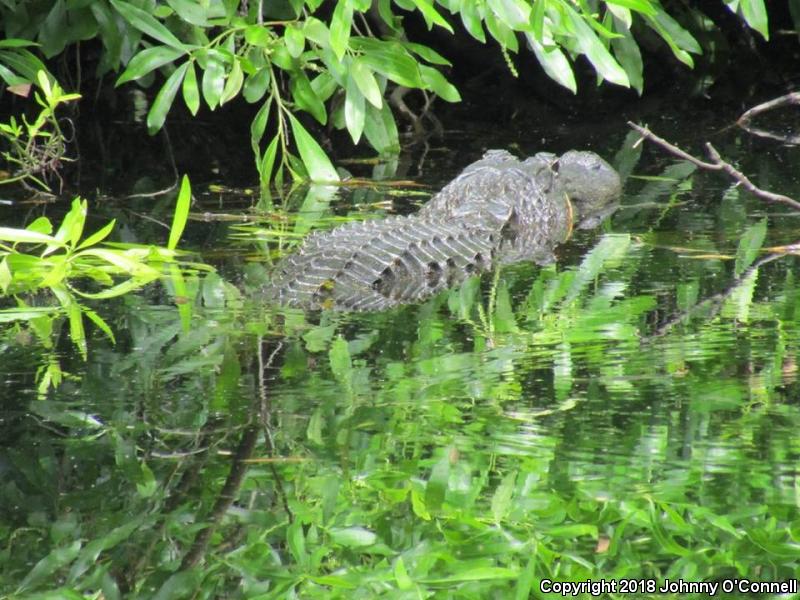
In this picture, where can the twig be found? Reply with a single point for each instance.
(744, 120)
(793, 98)
(717, 164)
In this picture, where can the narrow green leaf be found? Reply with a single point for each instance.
(181, 213)
(427, 54)
(642, 6)
(404, 582)
(436, 488)
(363, 77)
(146, 23)
(555, 64)
(472, 21)
(259, 124)
(354, 112)
(191, 93)
(431, 15)
(391, 60)
(101, 325)
(314, 158)
(437, 83)
(304, 96)
(749, 245)
(233, 84)
(97, 236)
(164, 99)
(268, 161)
(147, 61)
(755, 14)
(341, 363)
(475, 574)
(380, 129)
(501, 500)
(47, 567)
(213, 81)
(595, 51)
(341, 24)
(626, 50)
(9, 234)
(514, 13)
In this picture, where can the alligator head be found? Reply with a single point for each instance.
(592, 185)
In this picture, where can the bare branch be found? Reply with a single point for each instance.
(717, 164)
(788, 99)
(744, 120)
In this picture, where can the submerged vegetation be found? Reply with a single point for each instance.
(585, 420)
(334, 61)
(627, 413)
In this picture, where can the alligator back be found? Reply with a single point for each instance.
(499, 210)
(378, 264)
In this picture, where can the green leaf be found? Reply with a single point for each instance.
(268, 161)
(146, 23)
(436, 488)
(437, 83)
(501, 500)
(9, 234)
(256, 85)
(147, 61)
(97, 236)
(181, 213)
(341, 24)
(472, 21)
(213, 80)
(755, 14)
(354, 113)
(163, 102)
(341, 363)
(233, 84)
(642, 6)
(475, 574)
(391, 60)
(295, 40)
(626, 50)
(595, 51)
(353, 537)
(314, 158)
(431, 15)
(190, 11)
(258, 126)
(427, 54)
(380, 129)
(361, 74)
(749, 246)
(515, 14)
(49, 565)
(304, 96)
(191, 93)
(554, 63)
(258, 35)
(101, 324)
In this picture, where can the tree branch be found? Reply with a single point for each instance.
(717, 164)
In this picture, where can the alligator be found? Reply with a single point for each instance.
(497, 211)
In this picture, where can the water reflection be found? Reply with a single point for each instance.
(633, 403)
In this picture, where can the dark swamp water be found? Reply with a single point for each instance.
(627, 414)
